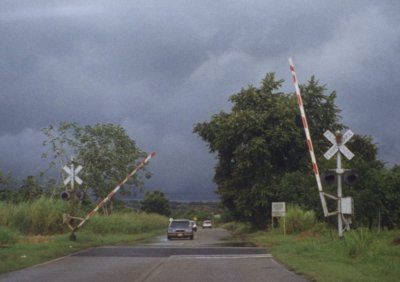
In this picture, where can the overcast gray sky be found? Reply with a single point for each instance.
(159, 67)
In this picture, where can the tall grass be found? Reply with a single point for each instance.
(128, 223)
(359, 242)
(43, 216)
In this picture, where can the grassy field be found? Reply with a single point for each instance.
(360, 256)
(32, 233)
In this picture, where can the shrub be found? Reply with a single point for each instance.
(297, 220)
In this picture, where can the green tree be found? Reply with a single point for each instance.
(390, 198)
(105, 151)
(30, 189)
(62, 142)
(7, 193)
(155, 202)
(298, 188)
(107, 154)
(261, 140)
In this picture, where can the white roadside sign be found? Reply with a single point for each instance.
(278, 209)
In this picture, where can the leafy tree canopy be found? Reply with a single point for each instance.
(263, 157)
(155, 202)
(105, 151)
(261, 149)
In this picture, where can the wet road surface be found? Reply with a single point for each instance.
(206, 258)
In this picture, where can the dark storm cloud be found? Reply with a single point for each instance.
(361, 62)
(158, 68)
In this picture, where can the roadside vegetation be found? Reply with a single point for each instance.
(33, 232)
(31, 210)
(314, 250)
(262, 156)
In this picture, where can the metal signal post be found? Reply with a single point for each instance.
(338, 140)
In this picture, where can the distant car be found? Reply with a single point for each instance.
(194, 225)
(180, 228)
(207, 224)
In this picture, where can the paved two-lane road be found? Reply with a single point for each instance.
(206, 258)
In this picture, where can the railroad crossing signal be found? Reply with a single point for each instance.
(349, 176)
(72, 174)
(338, 142)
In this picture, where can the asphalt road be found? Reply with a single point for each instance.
(206, 258)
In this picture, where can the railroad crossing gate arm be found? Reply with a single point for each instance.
(308, 137)
(109, 196)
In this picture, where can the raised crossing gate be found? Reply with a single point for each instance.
(338, 140)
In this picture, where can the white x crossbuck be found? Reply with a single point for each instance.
(72, 174)
(338, 146)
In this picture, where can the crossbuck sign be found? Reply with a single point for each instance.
(338, 146)
(72, 174)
